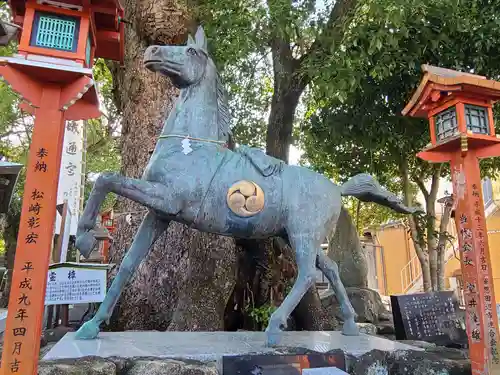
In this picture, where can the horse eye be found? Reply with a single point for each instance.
(191, 51)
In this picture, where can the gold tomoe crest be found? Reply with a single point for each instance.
(245, 198)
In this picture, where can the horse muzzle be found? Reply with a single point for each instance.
(153, 57)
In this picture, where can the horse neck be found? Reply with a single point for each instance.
(196, 111)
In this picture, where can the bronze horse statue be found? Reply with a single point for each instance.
(193, 178)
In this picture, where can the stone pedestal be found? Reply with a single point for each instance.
(211, 346)
(182, 353)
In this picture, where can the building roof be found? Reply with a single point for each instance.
(448, 81)
(386, 225)
(6, 167)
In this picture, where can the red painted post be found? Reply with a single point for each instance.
(481, 315)
(26, 304)
(54, 91)
(461, 141)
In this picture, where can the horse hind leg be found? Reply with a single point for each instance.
(331, 271)
(150, 194)
(304, 246)
(149, 231)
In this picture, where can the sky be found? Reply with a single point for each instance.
(295, 154)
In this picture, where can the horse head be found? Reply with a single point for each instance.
(185, 65)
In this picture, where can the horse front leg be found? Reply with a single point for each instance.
(150, 194)
(149, 231)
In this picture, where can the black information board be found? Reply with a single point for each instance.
(431, 317)
(285, 364)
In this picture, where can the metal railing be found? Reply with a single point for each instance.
(410, 274)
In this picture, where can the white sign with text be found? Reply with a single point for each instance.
(70, 176)
(73, 285)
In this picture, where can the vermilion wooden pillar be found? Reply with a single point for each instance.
(23, 330)
(482, 320)
(459, 109)
(52, 74)
(52, 104)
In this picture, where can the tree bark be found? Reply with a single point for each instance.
(292, 75)
(288, 87)
(415, 231)
(9, 225)
(281, 118)
(443, 238)
(433, 237)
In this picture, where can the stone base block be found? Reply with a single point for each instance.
(200, 353)
(211, 346)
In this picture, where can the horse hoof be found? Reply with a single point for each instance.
(273, 338)
(85, 243)
(350, 328)
(87, 331)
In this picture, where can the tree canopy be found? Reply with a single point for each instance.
(357, 62)
(268, 53)
(356, 126)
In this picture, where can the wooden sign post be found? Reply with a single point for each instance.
(52, 73)
(36, 229)
(459, 108)
(26, 304)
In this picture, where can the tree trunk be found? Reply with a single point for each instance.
(443, 239)
(440, 282)
(426, 274)
(423, 257)
(432, 236)
(291, 74)
(416, 237)
(188, 276)
(286, 95)
(433, 266)
(9, 225)
(309, 314)
(432, 241)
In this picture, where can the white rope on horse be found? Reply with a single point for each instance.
(191, 138)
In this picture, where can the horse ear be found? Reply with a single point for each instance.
(201, 40)
(190, 41)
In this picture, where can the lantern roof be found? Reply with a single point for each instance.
(106, 20)
(439, 84)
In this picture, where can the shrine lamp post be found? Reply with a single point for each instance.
(52, 73)
(459, 109)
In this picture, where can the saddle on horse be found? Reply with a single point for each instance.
(265, 164)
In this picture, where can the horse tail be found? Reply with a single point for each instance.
(365, 188)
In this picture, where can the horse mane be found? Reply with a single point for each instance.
(224, 116)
